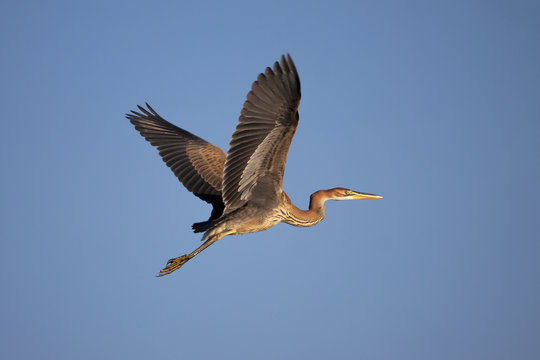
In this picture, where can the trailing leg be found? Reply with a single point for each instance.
(177, 263)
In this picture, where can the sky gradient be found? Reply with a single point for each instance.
(434, 105)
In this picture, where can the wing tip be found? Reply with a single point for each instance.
(144, 113)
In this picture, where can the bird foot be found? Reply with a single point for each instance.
(174, 264)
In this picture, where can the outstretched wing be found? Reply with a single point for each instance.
(259, 146)
(195, 162)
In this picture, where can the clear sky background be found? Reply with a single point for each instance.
(435, 105)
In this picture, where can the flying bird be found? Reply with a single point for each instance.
(243, 186)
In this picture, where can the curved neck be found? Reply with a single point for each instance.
(312, 216)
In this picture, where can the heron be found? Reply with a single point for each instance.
(244, 186)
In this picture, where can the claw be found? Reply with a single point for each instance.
(173, 264)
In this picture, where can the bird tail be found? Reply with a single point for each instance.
(202, 226)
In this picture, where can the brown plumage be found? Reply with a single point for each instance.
(244, 186)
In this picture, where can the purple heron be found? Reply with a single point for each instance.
(245, 185)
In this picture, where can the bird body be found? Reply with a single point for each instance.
(244, 186)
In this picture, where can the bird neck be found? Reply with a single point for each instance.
(312, 216)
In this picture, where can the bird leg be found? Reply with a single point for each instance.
(177, 263)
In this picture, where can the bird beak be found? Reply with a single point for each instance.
(359, 195)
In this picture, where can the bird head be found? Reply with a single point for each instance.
(346, 194)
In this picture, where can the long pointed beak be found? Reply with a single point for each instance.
(359, 195)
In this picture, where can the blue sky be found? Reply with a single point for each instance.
(434, 105)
